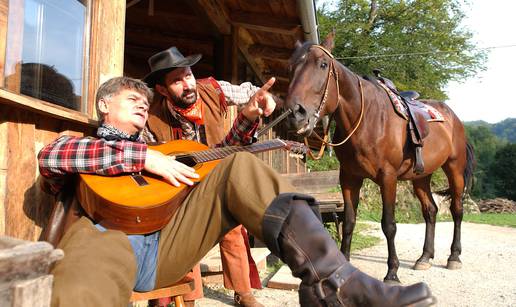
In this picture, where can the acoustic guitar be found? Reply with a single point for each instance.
(143, 203)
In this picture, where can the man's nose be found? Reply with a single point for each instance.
(186, 85)
(144, 106)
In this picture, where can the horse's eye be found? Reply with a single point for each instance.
(324, 65)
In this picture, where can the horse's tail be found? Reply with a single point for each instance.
(467, 175)
(470, 167)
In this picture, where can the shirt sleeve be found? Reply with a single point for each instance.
(70, 155)
(237, 94)
(242, 132)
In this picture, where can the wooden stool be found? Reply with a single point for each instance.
(176, 292)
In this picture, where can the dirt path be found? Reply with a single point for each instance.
(487, 278)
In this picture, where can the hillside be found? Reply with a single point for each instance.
(505, 129)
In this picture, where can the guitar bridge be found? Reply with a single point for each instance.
(139, 179)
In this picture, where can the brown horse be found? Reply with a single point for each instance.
(378, 146)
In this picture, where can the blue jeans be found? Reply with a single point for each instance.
(145, 248)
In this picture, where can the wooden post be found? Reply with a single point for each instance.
(24, 267)
(106, 46)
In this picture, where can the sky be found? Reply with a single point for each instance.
(487, 96)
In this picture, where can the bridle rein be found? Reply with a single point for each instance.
(332, 71)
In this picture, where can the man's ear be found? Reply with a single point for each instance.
(103, 106)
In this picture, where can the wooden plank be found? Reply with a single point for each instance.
(284, 280)
(265, 22)
(43, 107)
(107, 47)
(244, 42)
(216, 12)
(21, 175)
(4, 4)
(3, 169)
(270, 52)
(33, 292)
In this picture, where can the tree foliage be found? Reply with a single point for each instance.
(368, 28)
(502, 171)
(485, 144)
(506, 129)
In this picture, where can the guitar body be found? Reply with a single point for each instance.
(138, 204)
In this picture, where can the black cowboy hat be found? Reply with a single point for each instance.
(166, 60)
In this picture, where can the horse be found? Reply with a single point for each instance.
(374, 143)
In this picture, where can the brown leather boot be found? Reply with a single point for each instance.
(293, 231)
(246, 299)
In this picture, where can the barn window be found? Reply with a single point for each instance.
(46, 51)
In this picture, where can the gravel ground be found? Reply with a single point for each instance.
(487, 277)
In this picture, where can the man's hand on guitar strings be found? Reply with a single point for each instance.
(167, 167)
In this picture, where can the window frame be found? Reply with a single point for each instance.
(103, 59)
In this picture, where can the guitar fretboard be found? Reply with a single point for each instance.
(222, 152)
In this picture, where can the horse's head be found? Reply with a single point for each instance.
(312, 74)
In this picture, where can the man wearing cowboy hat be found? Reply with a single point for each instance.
(102, 267)
(191, 109)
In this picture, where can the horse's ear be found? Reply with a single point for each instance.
(329, 42)
(298, 44)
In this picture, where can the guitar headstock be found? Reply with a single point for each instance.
(296, 148)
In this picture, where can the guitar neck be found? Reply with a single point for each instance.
(222, 152)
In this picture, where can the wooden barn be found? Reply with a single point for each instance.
(55, 53)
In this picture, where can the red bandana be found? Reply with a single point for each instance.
(193, 113)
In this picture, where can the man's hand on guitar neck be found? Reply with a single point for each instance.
(167, 167)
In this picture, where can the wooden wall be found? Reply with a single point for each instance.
(27, 124)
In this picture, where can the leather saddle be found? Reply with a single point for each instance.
(417, 118)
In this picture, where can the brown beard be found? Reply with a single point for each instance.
(182, 101)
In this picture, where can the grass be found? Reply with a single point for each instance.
(360, 240)
(496, 219)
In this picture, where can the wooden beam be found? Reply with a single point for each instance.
(243, 44)
(270, 52)
(214, 12)
(266, 23)
(107, 47)
(157, 41)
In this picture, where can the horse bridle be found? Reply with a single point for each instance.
(316, 115)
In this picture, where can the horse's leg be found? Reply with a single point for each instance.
(350, 192)
(388, 189)
(454, 172)
(429, 209)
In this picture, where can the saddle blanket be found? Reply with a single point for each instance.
(430, 113)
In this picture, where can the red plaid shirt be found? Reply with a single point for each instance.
(241, 132)
(71, 155)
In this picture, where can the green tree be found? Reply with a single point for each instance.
(485, 144)
(371, 33)
(502, 171)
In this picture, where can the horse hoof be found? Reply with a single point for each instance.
(421, 266)
(454, 265)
